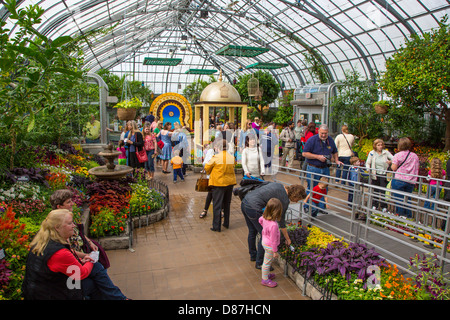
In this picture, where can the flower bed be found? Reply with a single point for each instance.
(352, 271)
(408, 229)
(103, 206)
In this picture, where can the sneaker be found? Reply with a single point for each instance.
(174, 182)
(269, 283)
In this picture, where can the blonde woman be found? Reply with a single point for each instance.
(55, 272)
(344, 143)
(378, 162)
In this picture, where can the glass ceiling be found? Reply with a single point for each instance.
(340, 35)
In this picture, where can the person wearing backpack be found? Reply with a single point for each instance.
(253, 205)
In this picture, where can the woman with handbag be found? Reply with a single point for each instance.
(166, 153)
(406, 166)
(135, 142)
(222, 179)
(344, 143)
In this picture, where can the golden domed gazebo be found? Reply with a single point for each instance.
(216, 94)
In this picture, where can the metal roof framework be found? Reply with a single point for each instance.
(340, 34)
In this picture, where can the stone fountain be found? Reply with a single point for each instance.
(110, 171)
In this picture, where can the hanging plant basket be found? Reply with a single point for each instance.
(126, 110)
(381, 107)
(126, 114)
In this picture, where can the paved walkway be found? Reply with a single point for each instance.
(180, 258)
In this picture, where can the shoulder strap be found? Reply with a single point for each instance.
(347, 142)
(404, 160)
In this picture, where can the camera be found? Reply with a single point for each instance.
(328, 161)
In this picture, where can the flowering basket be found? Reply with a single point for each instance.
(381, 107)
(126, 114)
(126, 110)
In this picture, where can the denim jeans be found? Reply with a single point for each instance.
(315, 207)
(99, 286)
(404, 186)
(312, 171)
(343, 168)
(150, 165)
(428, 204)
(177, 172)
(254, 227)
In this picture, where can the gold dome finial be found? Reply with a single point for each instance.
(220, 75)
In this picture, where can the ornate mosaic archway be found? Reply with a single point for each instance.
(172, 107)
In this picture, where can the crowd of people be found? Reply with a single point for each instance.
(63, 263)
(163, 145)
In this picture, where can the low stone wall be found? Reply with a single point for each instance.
(307, 288)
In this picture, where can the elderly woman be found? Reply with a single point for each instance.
(79, 242)
(344, 143)
(405, 163)
(378, 161)
(55, 272)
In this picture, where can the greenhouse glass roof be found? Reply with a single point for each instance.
(340, 35)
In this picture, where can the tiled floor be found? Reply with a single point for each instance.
(180, 258)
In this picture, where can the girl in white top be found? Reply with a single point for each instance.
(252, 158)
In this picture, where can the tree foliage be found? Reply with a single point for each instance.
(353, 106)
(271, 89)
(285, 110)
(417, 76)
(30, 65)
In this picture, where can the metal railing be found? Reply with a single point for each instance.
(395, 237)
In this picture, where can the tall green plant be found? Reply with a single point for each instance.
(271, 90)
(353, 106)
(29, 64)
(285, 110)
(418, 75)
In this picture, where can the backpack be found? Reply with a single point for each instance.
(247, 185)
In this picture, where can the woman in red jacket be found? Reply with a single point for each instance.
(54, 271)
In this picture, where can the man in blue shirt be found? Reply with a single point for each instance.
(320, 151)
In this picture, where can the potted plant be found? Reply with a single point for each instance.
(381, 107)
(126, 109)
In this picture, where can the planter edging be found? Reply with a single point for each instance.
(308, 289)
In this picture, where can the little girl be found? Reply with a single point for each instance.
(435, 172)
(123, 156)
(270, 239)
(150, 147)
